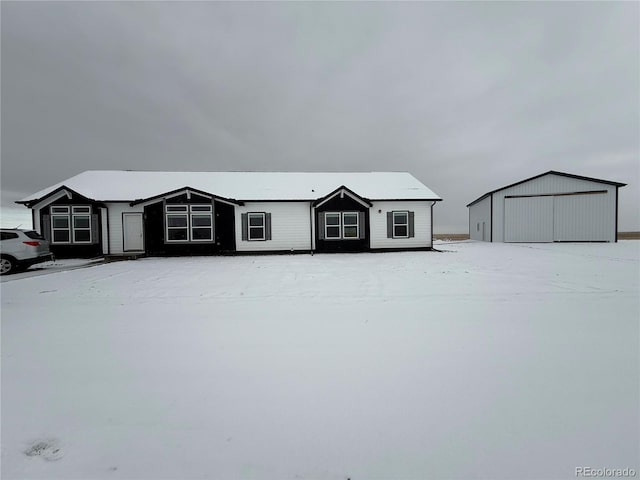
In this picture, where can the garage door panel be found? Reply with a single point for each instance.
(528, 219)
(581, 218)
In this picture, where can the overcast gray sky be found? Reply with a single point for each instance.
(468, 97)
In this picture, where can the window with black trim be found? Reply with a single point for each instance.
(71, 224)
(189, 223)
(341, 225)
(400, 224)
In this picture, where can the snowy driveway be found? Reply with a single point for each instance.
(488, 360)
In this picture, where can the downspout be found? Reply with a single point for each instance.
(617, 188)
(311, 228)
(432, 204)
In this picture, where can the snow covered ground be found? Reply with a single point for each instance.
(483, 361)
(52, 266)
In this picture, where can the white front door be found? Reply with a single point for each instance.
(133, 232)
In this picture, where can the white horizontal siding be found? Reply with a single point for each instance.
(550, 184)
(116, 236)
(378, 224)
(290, 226)
(479, 214)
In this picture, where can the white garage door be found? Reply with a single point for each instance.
(581, 218)
(557, 218)
(528, 219)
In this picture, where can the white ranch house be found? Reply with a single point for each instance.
(186, 213)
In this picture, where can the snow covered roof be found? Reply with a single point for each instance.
(127, 185)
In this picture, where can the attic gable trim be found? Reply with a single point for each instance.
(550, 172)
(179, 191)
(342, 190)
(51, 197)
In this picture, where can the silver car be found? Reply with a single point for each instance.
(19, 249)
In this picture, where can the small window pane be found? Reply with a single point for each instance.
(59, 209)
(200, 208)
(81, 209)
(82, 236)
(350, 219)
(177, 234)
(256, 233)
(81, 221)
(61, 236)
(176, 220)
(332, 219)
(201, 220)
(60, 221)
(333, 232)
(400, 231)
(350, 232)
(256, 220)
(177, 208)
(201, 233)
(400, 218)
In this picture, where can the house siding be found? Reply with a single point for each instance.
(342, 203)
(290, 227)
(116, 233)
(422, 224)
(73, 249)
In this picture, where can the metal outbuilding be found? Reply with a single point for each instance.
(550, 207)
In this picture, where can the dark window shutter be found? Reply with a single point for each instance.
(245, 227)
(213, 220)
(320, 225)
(95, 229)
(267, 226)
(389, 224)
(361, 226)
(45, 228)
(412, 230)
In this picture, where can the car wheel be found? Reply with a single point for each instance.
(7, 265)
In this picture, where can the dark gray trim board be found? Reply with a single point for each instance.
(588, 192)
(184, 189)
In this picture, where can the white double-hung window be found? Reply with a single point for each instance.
(400, 224)
(71, 224)
(342, 225)
(189, 223)
(256, 226)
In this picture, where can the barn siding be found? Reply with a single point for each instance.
(480, 213)
(581, 218)
(528, 219)
(290, 226)
(550, 184)
(422, 223)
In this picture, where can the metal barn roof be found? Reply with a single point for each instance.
(550, 172)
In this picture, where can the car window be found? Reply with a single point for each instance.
(8, 235)
(34, 235)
